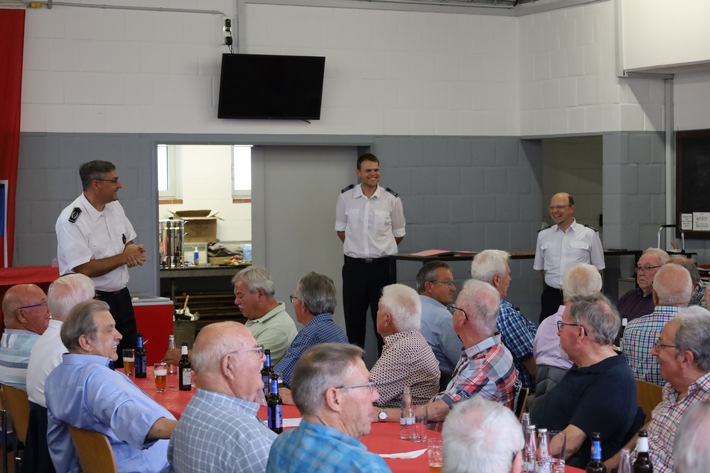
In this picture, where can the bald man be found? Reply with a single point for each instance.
(26, 317)
(219, 431)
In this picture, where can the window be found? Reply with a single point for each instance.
(167, 172)
(241, 173)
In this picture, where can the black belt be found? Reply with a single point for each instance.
(553, 288)
(110, 293)
(367, 260)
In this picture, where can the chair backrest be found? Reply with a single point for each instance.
(648, 395)
(521, 402)
(94, 450)
(15, 400)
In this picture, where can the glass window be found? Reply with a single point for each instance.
(241, 172)
(167, 171)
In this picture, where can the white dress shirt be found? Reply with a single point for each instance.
(46, 355)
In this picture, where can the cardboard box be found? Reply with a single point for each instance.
(200, 225)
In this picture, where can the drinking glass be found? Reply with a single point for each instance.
(160, 373)
(420, 424)
(129, 361)
(435, 454)
(558, 446)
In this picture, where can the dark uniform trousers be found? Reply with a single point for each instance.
(550, 302)
(121, 308)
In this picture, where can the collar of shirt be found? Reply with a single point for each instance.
(90, 209)
(80, 359)
(603, 365)
(242, 405)
(482, 346)
(432, 301)
(359, 195)
(332, 432)
(389, 339)
(270, 314)
(573, 226)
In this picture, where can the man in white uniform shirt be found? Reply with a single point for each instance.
(369, 220)
(95, 238)
(561, 246)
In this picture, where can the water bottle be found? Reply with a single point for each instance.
(625, 461)
(406, 415)
(196, 257)
(542, 457)
(529, 450)
(172, 369)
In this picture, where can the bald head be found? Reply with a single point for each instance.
(672, 286)
(24, 307)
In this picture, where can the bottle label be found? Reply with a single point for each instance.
(642, 444)
(140, 365)
(596, 450)
(275, 416)
(187, 376)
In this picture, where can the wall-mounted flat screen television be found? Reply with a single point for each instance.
(271, 87)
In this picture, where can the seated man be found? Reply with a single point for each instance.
(26, 317)
(268, 320)
(84, 392)
(332, 390)
(219, 430)
(697, 297)
(598, 394)
(639, 301)
(407, 359)
(691, 451)
(671, 292)
(435, 285)
(516, 332)
(314, 303)
(485, 367)
(479, 437)
(682, 352)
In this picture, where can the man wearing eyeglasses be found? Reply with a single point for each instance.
(561, 246)
(672, 287)
(331, 388)
(219, 430)
(639, 301)
(26, 318)
(95, 238)
(681, 350)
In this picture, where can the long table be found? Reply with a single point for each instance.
(383, 437)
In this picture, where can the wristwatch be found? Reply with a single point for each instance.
(382, 416)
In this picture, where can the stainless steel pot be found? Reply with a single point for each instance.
(172, 235)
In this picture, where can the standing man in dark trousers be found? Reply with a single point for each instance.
(369, 220)
(95, 238)
(561, 246)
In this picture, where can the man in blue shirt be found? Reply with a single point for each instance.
(314, 303)
(332, 390)
(84, 392)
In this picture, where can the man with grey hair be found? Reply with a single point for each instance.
(699, 286)
(516, 332)
(672, 287)
(267, 318)
(485, 367)
(691, 450)
(435, 285)
(407, 359)
(84, 392)
(639, 301)
(598, 394)
(683, 352)
(314, 302)
(482, 436)
(332, 389)
(219, 430)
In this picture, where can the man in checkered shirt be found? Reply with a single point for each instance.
(683, 352)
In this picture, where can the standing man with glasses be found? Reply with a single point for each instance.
(639, 301)
(95, 238)
(332, 389)
(26, 318)
(369, 220)
(561, 246)
(672, 287)
(218, 430)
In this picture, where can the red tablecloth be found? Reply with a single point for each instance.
(383, 438)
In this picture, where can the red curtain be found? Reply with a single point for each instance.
(12, 35)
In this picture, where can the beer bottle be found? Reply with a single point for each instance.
(266, 371)
(172, 369)
(274, 406)
(595, 464)
(140, 357)
(184, 370)
(643, 461)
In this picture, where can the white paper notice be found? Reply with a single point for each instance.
(686, 222)
(701, 221)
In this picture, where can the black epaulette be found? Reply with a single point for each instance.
(347, 188)
(543, 228)
(391, 192)
(588, 226)
(76, 211)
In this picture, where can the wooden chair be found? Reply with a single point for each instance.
(521, 402)
(18, 405)
(94, 450)
(648, 395)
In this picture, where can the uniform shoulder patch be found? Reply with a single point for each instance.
(590, 227)
(347, 188)
(391, 192)
(543, 228)
(76, 211)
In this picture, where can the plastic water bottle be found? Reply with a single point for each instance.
(196, 257)
(246, 251)
(406, 415)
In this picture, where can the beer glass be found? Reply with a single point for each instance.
(129, 361)
(435, 454)
(160, 373)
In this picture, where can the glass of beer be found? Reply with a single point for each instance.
(160, 373)
(435, 453)
(129, 361)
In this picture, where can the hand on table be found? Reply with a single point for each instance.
(286, 396)
(172, 356)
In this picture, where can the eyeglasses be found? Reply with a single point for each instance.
(370, 386)
(259, 349)
(454, 308)
(658, 345)
(561, 324)
(113, 181)
(293, 298)
(41, 304)
(447, 282)
(646, 269)
(558, 207)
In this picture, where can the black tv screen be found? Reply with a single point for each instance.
(270, 86)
